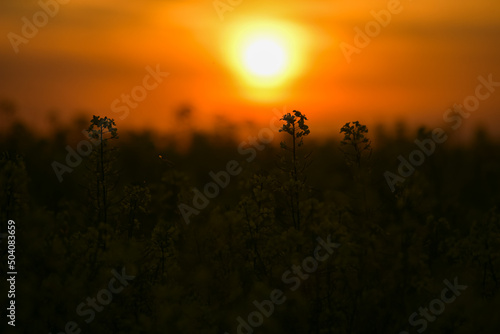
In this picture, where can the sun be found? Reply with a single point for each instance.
(267, 55)
(264, 57)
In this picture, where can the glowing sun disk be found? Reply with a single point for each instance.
(267, 56)
(264, 57)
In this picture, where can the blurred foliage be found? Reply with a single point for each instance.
(395, 251)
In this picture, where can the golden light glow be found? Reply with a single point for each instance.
(264, 57)
(265, 54)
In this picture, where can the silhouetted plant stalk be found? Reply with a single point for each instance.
(253, 235)
(258, 214)
(101, 129)
(295, 126)
(135, 202)
(354, 137)
(356, 148)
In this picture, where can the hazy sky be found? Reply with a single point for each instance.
(91, 52)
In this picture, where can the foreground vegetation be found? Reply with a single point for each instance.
(121, 209)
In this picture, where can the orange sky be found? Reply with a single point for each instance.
(426, 59)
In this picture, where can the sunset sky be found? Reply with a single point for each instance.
(91, 52)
